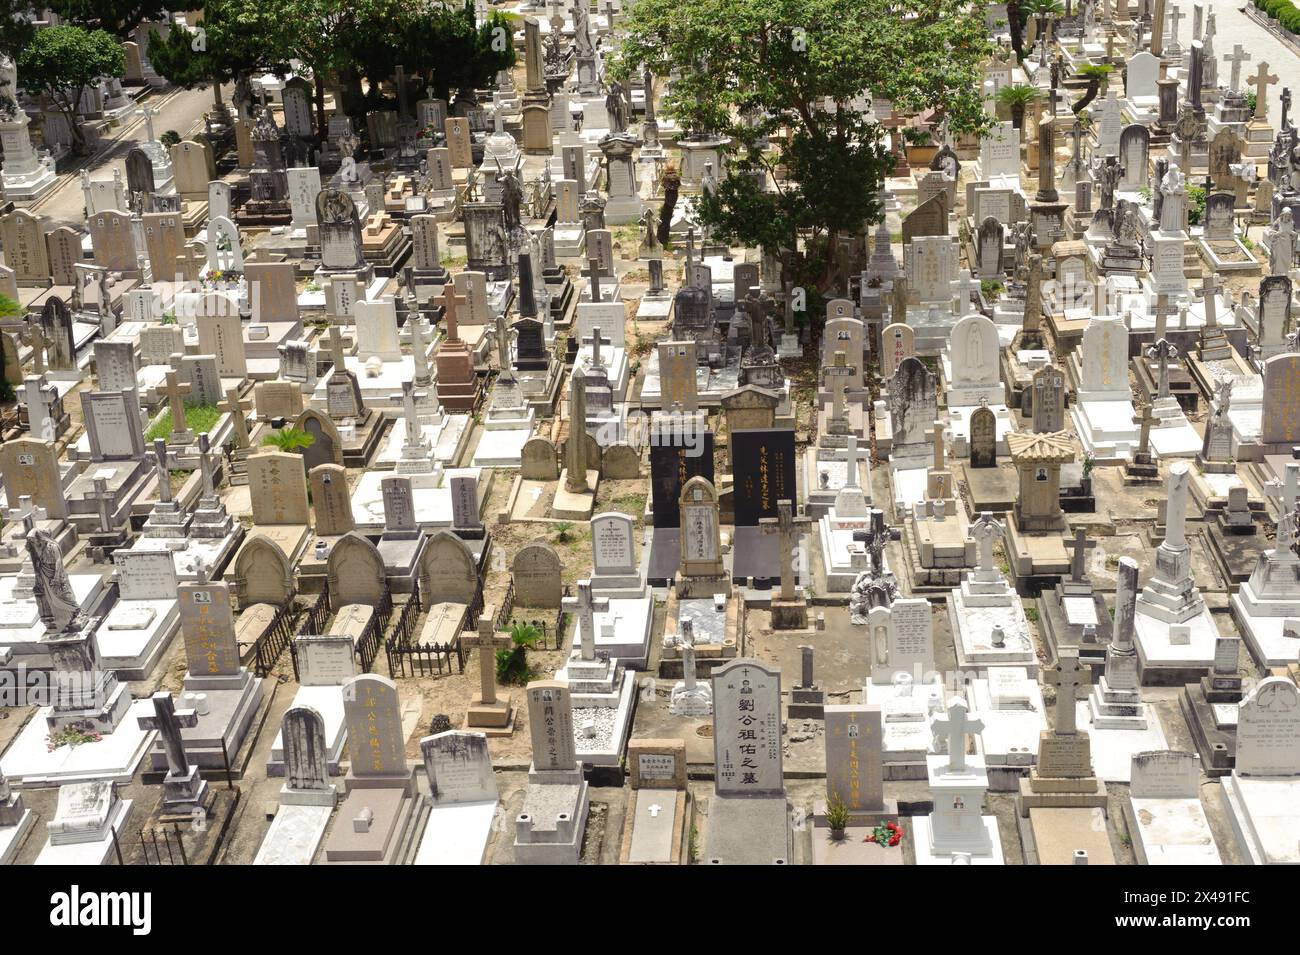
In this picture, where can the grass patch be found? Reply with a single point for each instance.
(1031, 614)
(198, 418)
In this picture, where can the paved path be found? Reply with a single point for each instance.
(1232, 26)
(177, 109)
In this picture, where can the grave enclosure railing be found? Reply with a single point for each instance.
(406, 657)
(272, 641)
(158, 840)
(368, 642)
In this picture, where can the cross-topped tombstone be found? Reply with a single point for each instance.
(586, 606)
(956, 727)
(1237, 57)
(1209, 294)
(237, 408)
(488, 641)
(787, 528)
(1144, 421)
(1162, 352)
(337, 358)
(183, 788)
(35, 337)
(839, 374)
(1079, 548)
(103, 499)
(1262, 80)
(593, 277)
(451, 303)
(1162, 310)
(175, 392)
(1069, 677)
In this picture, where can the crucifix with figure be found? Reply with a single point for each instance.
(586, 606)
(1286, 494)
(955, 725)
(1069, 676)
(787, 527)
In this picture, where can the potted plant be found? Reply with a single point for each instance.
(837, 816)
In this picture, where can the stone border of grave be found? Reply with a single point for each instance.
(1290, 40)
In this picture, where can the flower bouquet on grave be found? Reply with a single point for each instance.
(70, 736)
(887, 835)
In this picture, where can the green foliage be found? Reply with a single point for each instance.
(748, 69)
(119, 17)
(1195, 204)
(512, 664)
(198, 418)
(1031, 614)
(16, 27)
(170, 138)
(1251, 101)
(990, 288)
(290, 439)
(562, 529)
(1016, 99)
(837, 814)
(61, 62)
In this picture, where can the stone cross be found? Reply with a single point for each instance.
(1209, 294)
(575, 449)
(103, 499)
(169, 721)
(963, 288)
(874, 538)
(1162, 310)
(488, 642)
(1176, 16)
(593, 278)
(408, 398)
(205, 465)
(1079, 548)
(450, 303)
(956, 727)
(984, 532)
(1144, 421)
(36, 338)
(336, 351)
(236, 408)
(1236, 58)
(1162, 352)
(787, 528)
(1285, 100)
(1068, 676)
(853, 455)
(839, 374)
(1262, 80)
(164, 479)
(686, 640)
(175, 393)
(586, 606)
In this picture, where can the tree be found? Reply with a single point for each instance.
(16, 27)
(1016, 98)
(119, 17)
(290, 439)
(752, 69)
(236, 38)
(1095, 74)
(61, 62)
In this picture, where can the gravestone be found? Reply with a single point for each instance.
(747, 746)
(278, 488)
(1268, 730)
(983, 438)
(376, 740)
(458, 765)
(764, 472)
(536, 571)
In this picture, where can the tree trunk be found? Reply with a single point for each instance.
(1015, 27)
(321, 126)
(1093, 87)
(1018, 118)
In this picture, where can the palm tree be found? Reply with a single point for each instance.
(1096, 74)
(1016, 98)
(290, 439)
(512, 664)
(1016, 25)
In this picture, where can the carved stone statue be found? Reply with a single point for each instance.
(55, 600)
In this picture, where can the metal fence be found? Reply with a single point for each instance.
(272, 641)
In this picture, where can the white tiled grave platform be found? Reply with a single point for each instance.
(1113, 749)
(29, 765)
(457, 834)
(294, 836)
